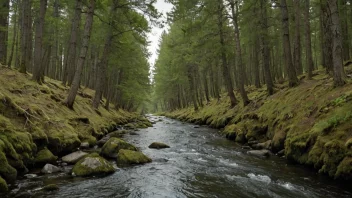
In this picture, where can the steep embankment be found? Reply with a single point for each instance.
(311, 122)
(33, 118)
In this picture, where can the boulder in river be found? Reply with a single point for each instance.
(44, 156)
(265, 145)
(74, 157)
(49, 168)
(92, 165)
(112, 147)
(128, 157)
(259, 153)
(50, 187)
(158, 145)
(281, 153)
(103, 140)
(84, 145)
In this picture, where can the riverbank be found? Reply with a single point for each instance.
(33, 122)
(309, 124)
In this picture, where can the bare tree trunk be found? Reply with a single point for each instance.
(14, 34)
(241, 72)
(25, 36)
(292, 78)
(344, 29)
(38, 48)
(265, 47)
(190, 76)
(82, 57)
(101, 81)
(337, 44)
(327, 37)
(206, 87)
(69, 65)
(309, 60)
(225, 69)
(4, 26)
(256, 64)
(297, 48)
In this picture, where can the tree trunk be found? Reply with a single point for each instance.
(82, 57)
(14, 40)
(344, 29)
(337, 44)
(206, 87)
(265, 47)
(225, 69)
(297, 49)
(69, 67)
(308, 40)
(292, 78)
(38, 47)
(102, 66)
(4, 25)
(241, 72)
(327, 37)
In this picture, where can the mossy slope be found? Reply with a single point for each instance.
(33, 117)
(312, 122)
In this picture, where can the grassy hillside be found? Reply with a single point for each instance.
(33, 117)
(311, 122)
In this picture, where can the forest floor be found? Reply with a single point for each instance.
(310, 124)
(33, 118)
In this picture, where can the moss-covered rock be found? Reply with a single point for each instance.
(3, 185)
(158, 145)
(333, 154)
(92, 165)
(45, 156)
(112, 147)
(344, 170)
(7, 171)
(128, 157)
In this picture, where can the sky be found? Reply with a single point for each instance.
(156, 32)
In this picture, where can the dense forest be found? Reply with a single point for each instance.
(221, 46)
(96, 44)
(78, 79)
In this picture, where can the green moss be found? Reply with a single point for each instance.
(112, 147)
(92, 165)
(128, 157)
(3, 185)
(348, 143)
(278, 141)
(6, 170)
(344, 170)
(254, 129)
(45, 156)
(333, 154)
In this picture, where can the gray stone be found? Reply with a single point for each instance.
(84, 145)
(246, 147)
(49, 168)
(259, 153)
(29, 176)
(74, 157)
(252, 142)
(158, 145)
(281, 153)
(102, 141)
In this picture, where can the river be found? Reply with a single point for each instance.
(200, 163)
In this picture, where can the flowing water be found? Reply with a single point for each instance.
(200, 163)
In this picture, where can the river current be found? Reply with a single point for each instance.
(200, 163)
